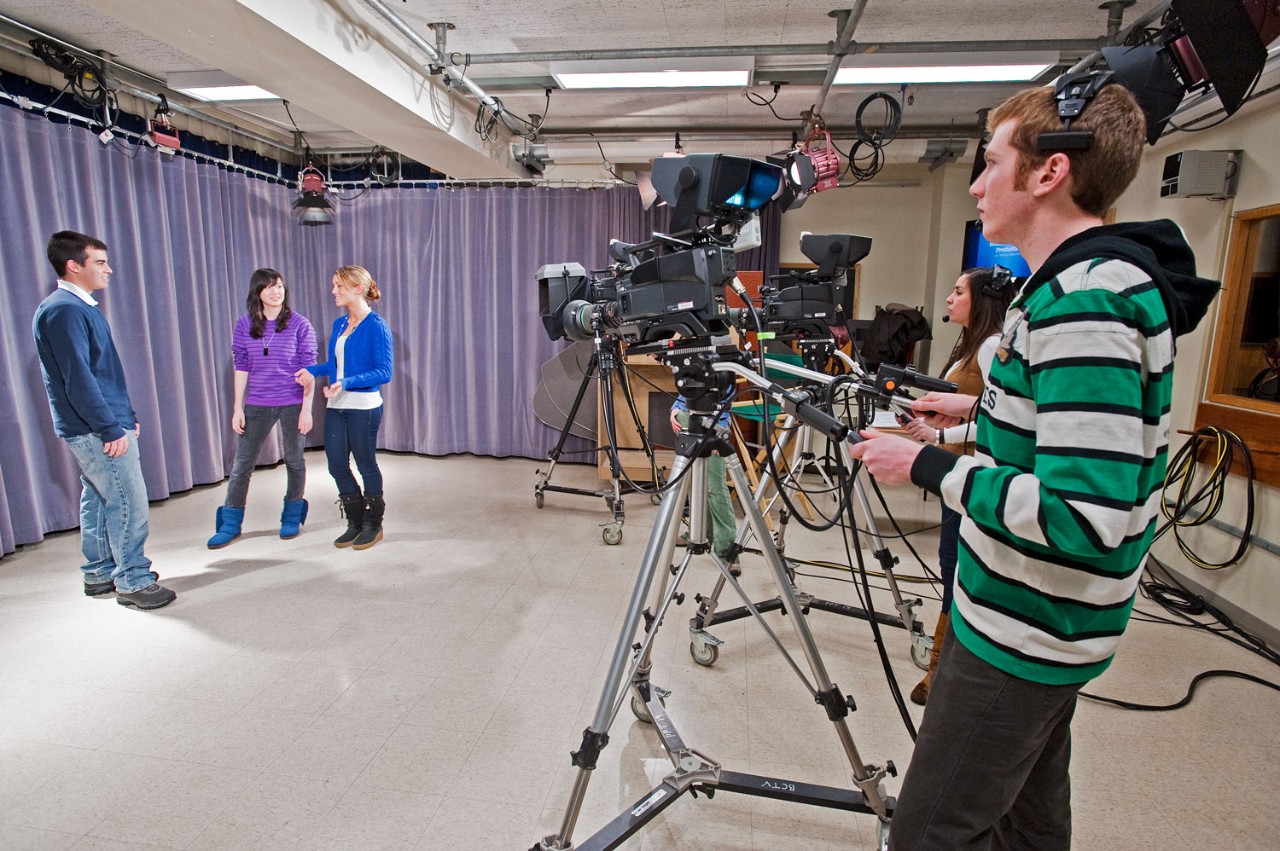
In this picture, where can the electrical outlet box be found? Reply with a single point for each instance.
(1200, 174)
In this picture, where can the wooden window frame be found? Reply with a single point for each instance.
(1256, 421)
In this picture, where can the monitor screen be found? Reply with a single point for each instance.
(979, 252)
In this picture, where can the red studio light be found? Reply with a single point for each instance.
(826, 162)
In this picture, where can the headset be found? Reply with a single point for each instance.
(1073, 93)
(1001, 280)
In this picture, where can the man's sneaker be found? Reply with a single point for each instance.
(152, 597)
(97, 589)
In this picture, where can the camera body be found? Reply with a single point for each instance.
(672, 284)
(812, 302)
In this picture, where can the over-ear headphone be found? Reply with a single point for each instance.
(1073, 93)
(1001, 280)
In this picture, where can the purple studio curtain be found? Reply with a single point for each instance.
(456, 268)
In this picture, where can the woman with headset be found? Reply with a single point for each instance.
(977, 303)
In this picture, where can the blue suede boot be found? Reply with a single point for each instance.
(227, 521)
(292, 518)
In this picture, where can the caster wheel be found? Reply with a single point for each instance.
(703, 653)
(639, 710)
(538, 499)
(612, 534)
(920, 651)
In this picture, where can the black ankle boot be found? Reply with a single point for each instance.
(371, 531)
(353, 508)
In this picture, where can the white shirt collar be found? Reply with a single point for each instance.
(72, 288)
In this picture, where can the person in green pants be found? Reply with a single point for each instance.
(722, 523)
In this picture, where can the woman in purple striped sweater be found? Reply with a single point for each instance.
(269, 344)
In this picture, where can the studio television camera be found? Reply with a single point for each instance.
(673, 283)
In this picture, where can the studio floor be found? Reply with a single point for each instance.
(426, 693)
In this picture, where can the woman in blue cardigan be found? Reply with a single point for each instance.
(360, 362)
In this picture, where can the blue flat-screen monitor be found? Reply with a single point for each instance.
(979, 252)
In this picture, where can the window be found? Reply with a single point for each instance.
(1243, 393)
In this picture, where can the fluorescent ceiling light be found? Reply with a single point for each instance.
(687, 72)
(245, 92)
(216, 85)
(875, 69)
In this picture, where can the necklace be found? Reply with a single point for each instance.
(351, 325)
(266, 343)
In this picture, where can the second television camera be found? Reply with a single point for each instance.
(672, 284)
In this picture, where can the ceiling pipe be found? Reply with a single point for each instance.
(847, 21)
(1140, 23)
(1062, 45)
(437, 60)
(123, 77)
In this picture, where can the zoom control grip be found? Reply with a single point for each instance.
(797, 402)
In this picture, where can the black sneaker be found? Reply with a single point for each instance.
(97, 589)
(154, 596)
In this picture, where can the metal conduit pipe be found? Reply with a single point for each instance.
(839, 50)
(433, 54)
(22, 49)
(1140, 23)
(1061, 45)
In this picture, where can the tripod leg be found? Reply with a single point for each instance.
(657, 555)
(762, 498)
(554, 455)
(866, 778)
(906, 608)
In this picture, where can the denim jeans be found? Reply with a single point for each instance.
(990, 769)
(258, 422)
(349, 432)
(113, 514)
(948, 551)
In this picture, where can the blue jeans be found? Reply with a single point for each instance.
(347, 433)
(258, 422)
(113, 514)
(948, 550)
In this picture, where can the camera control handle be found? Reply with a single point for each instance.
(797, 402)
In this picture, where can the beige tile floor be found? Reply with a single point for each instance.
(425, 694)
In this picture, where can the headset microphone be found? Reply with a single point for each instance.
(946, 318)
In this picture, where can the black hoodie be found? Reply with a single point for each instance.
(1157, 248)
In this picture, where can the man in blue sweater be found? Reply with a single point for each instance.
(85, 382)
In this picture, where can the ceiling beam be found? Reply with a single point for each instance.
(334, 62)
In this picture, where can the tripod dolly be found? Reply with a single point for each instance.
(701, 376)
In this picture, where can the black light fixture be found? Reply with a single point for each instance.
(313, 206)
(1202, 44)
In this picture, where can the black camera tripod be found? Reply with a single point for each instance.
(703, 379)
(606, 359)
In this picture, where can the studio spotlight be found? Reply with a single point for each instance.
(1204, 44)
(312, 206)
(160, 131)
(806, 170)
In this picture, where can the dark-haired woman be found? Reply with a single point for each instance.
(977, 303)
(269, 344)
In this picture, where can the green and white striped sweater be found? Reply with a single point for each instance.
(1062, 495)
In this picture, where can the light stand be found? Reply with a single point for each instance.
(605, 359)
(704, 380)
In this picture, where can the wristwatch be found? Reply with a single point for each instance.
(941, 437)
